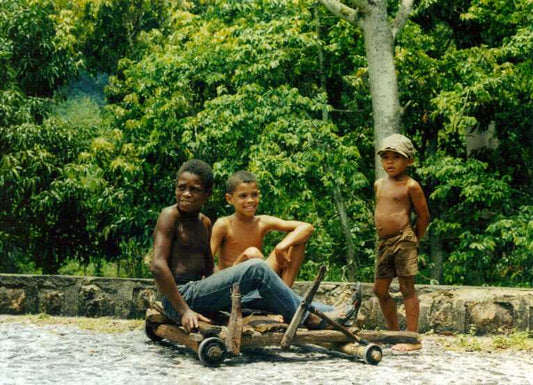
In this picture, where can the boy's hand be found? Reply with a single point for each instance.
(189, 320)
(282, 255)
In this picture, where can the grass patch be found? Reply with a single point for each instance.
(97, 325)
(516, 341)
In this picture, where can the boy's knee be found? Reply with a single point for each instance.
(380, 292)
(253, 252)
(408, 292)
(407, 288)
(257, 268)
(257, 264)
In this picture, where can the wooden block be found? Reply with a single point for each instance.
(156, 317)
(329, 338)
(390, 337)
(179, 335)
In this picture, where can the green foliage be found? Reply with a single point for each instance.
(488, 238)
(110, 29)
(38, 50)
(40, 204)
(517, 341)
(245, 87)
(277, 87)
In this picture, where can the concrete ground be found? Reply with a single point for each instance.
(51, 350)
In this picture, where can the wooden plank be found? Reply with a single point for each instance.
(332, 323)
(303, 336)
(390, 337)
(156, 317)
(329, 337)
(271, 326)
(179, 335)
(234, 329)
(209, 330)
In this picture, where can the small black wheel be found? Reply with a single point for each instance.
(149, 329)
(373, 354)
(212, 351)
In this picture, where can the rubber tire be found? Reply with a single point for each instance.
(212, 351)
(149, 330)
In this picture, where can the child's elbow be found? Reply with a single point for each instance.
(156, 268)
(310, 229)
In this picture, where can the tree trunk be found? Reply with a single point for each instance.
(338, 198)
(437, 256)
(436, 253)
(382, 73)
(351, 261)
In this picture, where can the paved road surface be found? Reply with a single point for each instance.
(64, 354)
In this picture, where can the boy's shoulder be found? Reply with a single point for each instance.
(222, 222)
(404, 180)
(205, 219)
(411, 182)
(170, 211)
(379, 181)
(264, 218)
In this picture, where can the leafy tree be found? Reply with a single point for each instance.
(280, 88)
(109, 29)
(379, 34)
(38, 46)
(235, 86)
(477, 212)
(41, 208)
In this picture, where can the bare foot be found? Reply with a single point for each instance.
(314, 322)
(406, 347)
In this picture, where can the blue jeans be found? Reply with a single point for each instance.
(254, 276)
(253, 300)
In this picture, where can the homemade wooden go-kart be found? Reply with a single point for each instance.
(214, 342)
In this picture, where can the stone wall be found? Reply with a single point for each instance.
(75, 296)
(447, 309)
(443, 309)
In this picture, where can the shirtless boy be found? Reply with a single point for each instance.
(397, 195)
(183, 263)
(239, 237)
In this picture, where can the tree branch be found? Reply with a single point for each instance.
(401, 17)
(340, 10)
(362, 6)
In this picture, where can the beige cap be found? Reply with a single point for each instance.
(397, 143)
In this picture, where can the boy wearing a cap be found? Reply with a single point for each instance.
(397, 195)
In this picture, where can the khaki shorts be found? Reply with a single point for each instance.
(397, 255)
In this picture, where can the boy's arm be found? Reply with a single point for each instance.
(377, 183)
(298, 233)
(421, 208)
(217, 236)
(209, 261)
(163, 235)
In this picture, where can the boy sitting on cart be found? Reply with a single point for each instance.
(183, 262)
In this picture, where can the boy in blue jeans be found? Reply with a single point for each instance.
(183, 262)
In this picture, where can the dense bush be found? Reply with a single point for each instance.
(276, 87)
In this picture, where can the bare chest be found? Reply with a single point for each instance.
(243, 235)
(191, 237)
(393, 194)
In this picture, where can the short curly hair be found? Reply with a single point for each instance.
(242, 176)
(200, 168)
